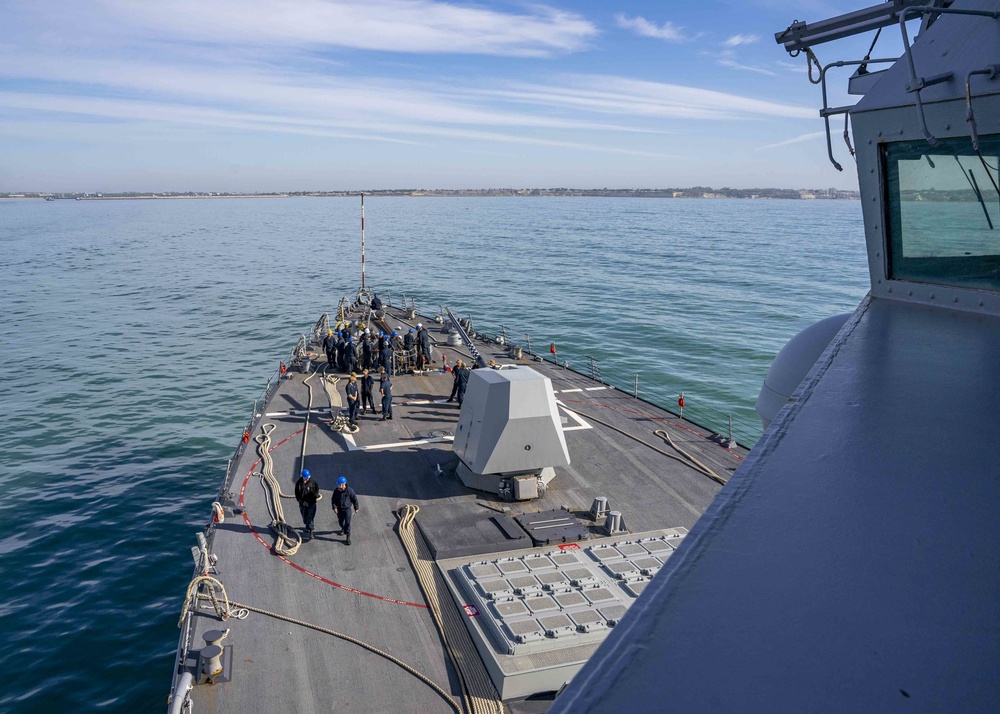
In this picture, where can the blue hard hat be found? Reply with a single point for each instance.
(306, 474)
(341, 481)
(411, 329)
(350, 339)
(394, 334)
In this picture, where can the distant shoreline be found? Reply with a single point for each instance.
(700, 192)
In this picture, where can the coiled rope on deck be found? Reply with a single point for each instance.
(224, 609)
(347, 638)
(478, 693)
(287, 539)
(329, 386)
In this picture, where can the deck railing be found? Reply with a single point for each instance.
(745, 430)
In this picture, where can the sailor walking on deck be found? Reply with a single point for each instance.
(385, 389)
(345, 505)
(307, 493)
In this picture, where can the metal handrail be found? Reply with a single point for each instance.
(918, 83)
(745, 432)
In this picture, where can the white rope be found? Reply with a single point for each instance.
(337, 422)
(287, 539)
(219, 511)
(216, 589)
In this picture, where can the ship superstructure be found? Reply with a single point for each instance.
(849, 564)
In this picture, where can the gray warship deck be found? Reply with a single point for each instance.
(368, 590)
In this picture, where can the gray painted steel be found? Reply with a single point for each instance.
(362, 590)
(510, 423)
(536, 615)
(859, 534)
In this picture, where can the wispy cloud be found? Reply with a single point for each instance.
(727, 56)
(737, 40)
(795, 140)
(736, 64)
(258, 71)
(637, 98)
(642, 26)
(421, 26)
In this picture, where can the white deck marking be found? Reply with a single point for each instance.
(594, 389)
(298, 412)
(580, 423)
(418, 402)
(570, 391)
(353, 446)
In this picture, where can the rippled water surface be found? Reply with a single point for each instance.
(137, 333)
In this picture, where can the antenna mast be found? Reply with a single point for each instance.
(362, 242)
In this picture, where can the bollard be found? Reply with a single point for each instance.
(612, 524)
(211, 662)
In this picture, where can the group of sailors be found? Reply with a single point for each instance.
(360, 395)
(351, 350)
(362, 353)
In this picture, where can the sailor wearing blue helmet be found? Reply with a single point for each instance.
(385, 357)
(350, 356)
(345, 505)
(307, 493)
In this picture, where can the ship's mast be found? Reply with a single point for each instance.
(362, 243)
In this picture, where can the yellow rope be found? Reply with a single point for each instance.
(479, 694)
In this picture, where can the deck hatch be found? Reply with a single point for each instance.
(546, 611)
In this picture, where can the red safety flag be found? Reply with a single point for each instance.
(552, 348)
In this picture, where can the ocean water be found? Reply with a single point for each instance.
(136, 335)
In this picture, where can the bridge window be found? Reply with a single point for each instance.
(944, 212)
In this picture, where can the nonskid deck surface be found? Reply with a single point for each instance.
(368, 590)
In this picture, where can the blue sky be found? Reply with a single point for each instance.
(257, 95)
